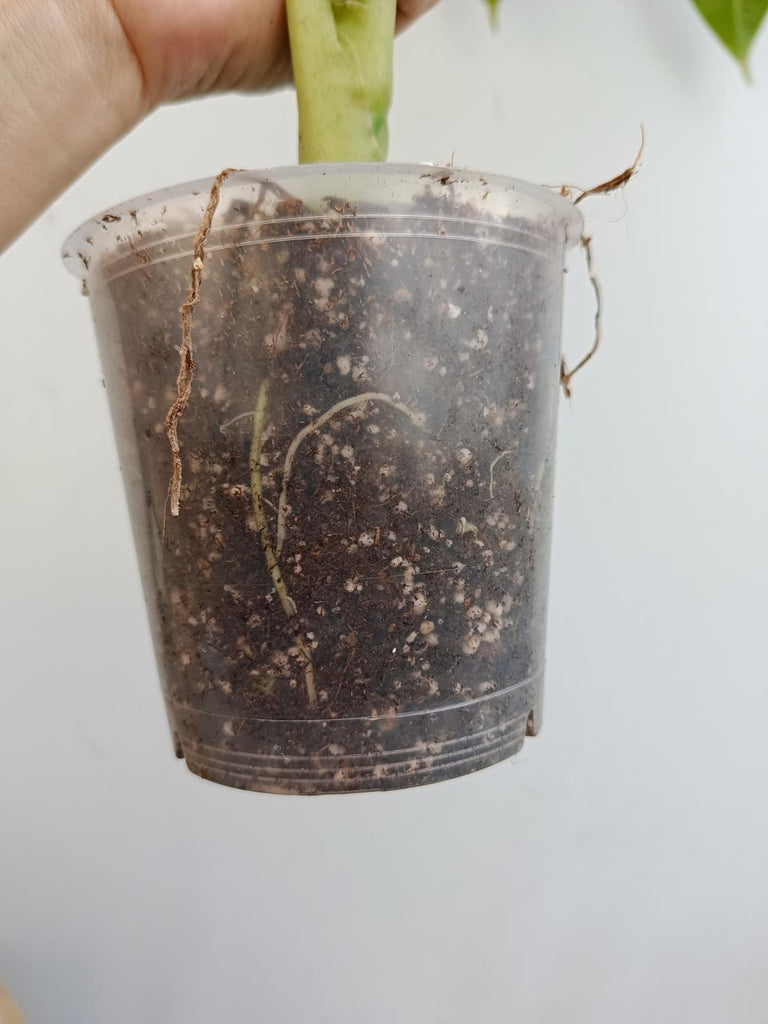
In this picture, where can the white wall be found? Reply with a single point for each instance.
(616, 872)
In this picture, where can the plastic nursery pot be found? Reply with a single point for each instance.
(353, 594)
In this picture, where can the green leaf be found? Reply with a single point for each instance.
(493, 11)
(735, 22)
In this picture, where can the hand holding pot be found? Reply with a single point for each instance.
(76, 75)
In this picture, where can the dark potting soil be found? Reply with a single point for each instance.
(365, 506)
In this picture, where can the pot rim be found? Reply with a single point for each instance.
(105, 232)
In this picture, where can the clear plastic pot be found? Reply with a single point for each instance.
(353, 594)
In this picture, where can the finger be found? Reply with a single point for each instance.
(9, 1011)
(409, 10)
(270, 37)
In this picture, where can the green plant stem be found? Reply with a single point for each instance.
(342, 66)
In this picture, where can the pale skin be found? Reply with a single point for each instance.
(9, 1011)
(76, 75)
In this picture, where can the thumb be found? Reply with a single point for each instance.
(9, 1011)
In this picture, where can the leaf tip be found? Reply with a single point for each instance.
(493, 13)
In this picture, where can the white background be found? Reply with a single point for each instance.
(616, 871)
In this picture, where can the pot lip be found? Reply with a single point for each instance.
(105, 231)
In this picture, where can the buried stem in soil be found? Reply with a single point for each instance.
(262, 526)
(271, 552)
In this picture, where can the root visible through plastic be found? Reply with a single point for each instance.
(417, 418)
(186, 352)
(496, 461)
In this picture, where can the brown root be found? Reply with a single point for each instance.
(566, 375)
(186, 352)
(619, 181)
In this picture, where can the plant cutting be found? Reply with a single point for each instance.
(335, 390)
(342, 59)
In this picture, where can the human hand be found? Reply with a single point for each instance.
(199, 46)
(9, 1011)
(75, 75)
